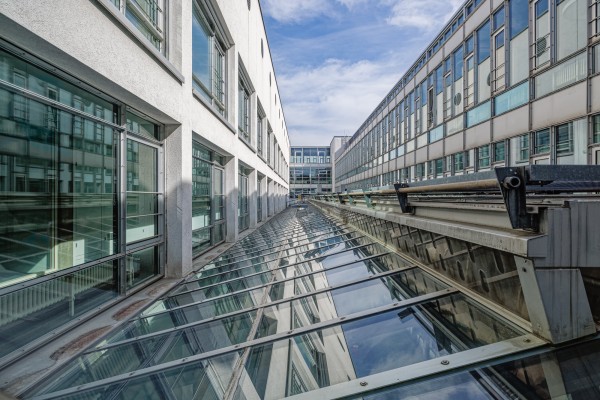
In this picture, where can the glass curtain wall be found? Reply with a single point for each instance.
(208, 202)
(60, 201)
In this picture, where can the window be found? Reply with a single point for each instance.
(479, 114)
(483, 42)
(148, 17)
(523, 147)
(564, 74)
(260, 116)
(571, 26)
(483, 156)
(564, 139)
(244, 111)
(269, 132)
(243, 198)
(519, 17)
(511, 99)
(498, 19)
(541, 141)
(208, 61)
(459, 162)
(499, 152)
(208, 204)
(596, 129)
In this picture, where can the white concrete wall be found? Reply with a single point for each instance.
(84, 39)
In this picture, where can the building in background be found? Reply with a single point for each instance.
(505, 83)
(135, 135)
(311, 168)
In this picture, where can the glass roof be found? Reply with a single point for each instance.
(302, 304)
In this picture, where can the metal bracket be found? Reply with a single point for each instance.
(403, 199)
(368, 199)
(513, 185)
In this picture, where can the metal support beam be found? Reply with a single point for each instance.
(556, 301)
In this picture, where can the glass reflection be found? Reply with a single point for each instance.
(372, 344)
(113, 361)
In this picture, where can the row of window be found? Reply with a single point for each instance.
(474, 79)
(310, 155)
(562, 144)
(310, 175)
(209, 69)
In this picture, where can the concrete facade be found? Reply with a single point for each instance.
(96, 46)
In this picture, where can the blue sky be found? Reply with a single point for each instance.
(335, 60)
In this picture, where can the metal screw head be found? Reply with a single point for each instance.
(363, 383)
(445, 362)
(527, 340)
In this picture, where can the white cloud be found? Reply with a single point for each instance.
(334, 98)
(421, 14)
(295, 11)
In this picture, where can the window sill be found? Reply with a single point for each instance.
(249, 145)
(210, 108)
(122, 19)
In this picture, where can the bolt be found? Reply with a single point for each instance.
(445, 362)
(524, 269)
(363, 383)
(527, 340)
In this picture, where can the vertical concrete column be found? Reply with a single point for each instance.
(264, 197)
(270, 195)
(231, 199)
(178, 191)
(253, 198)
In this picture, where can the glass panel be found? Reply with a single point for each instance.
(479, 114)
(201, 54)
(519, 16)
(141, 167)
(571, 27)
(483, 42)
(141, 26)
(57, 187)
(141, 265)
(571, 142)
(542, 141)
(519, 149)
(374, 344)
(436, 134)
(455, 125)
(142, 221)
(27, 76)
(483, 156)
(142, 171)
(141, 126)
(30, 313)
(512, 99)
(565, 74)
(596, 129)
(193, 381)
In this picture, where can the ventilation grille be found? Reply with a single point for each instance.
(457, 99)
(541, 45)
